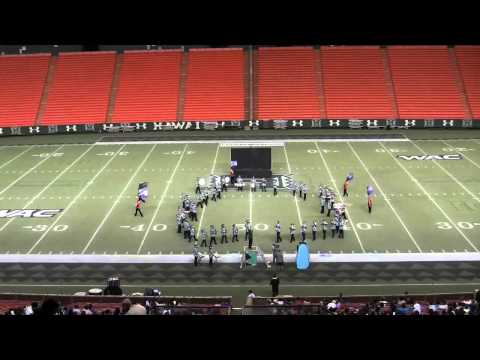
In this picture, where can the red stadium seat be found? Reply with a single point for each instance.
(469, 63)
(354, 83)
(424, 83)
(215, 88)
(288, 86)
(22, 78)
(149, 86)
(80, 90)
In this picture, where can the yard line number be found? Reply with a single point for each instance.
(314, 151)
(179, 152)
(367, 226)
(141, 227)
(391, 150)
(450, 149)
(258, 227)
(44, 155)
(111, 153)
(40, 228)
(444, 225)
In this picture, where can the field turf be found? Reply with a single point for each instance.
(420, 206)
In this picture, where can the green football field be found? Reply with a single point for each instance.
(420, 205)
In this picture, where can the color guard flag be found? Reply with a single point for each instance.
(370, 190)
(143, 191)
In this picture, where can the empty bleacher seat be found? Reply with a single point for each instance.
(469, 63)
(424, 83)
(215, 88)
(80, 89)
(354, 83)
(149, 86)
(22, 78)
(287, 84)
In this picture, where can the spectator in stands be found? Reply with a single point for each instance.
(417, 307)
(76, 310)
(88, 309)
(136, 308)
(27, 310)
(476, 295)
(49, 307)
(251, 295)
(332, 306)
(126, 306)
(35, 308)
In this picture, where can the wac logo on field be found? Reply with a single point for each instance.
(431, 157)
(29, 213)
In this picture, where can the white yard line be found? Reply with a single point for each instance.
(74, 200)
(205, 209)
(16, 157)
(169, 182)
(461, 153)
(338, 192)
(384, 196)
(449, 174)
(49, 184)
(430, 197)
(117, 200)
(29, 171)
(300, 222)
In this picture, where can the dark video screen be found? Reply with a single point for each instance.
(252, 158)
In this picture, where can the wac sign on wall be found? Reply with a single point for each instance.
(431, 157)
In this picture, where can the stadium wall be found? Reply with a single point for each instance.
(239, 125)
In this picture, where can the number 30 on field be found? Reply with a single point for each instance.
(57, 228)
(461, 224)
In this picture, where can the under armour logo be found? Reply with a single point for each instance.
(295, 122)
(157, 126)
(35, 129)
(1, 131)
(105, 126)
(372, 122)
(71, 128)
(334, 123)
(141, 126)
(409, 123)
(447, 122)
(254, 123)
